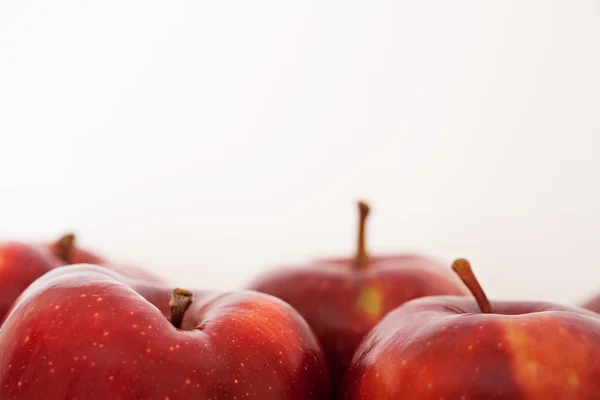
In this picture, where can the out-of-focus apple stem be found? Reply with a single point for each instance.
(463, 268)
(181, 299)
(63, 247)
(362, 258)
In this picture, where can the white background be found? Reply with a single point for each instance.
(209, 140)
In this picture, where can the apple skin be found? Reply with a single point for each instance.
(21, 264)
(443, 347)
(84, 332)
(342, 303)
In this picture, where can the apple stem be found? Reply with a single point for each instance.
(362, 258)
(181, 299)
(63, 247)
(463, 268)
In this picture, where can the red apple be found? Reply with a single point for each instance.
(21, 264)
(592, 303)
(343, 298)
(85, 332)
(449, 347)
(66, 250)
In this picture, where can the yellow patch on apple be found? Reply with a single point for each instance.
(370, 301)
(528, 340)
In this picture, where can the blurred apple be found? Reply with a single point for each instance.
(65, 249)
(22, 263)
(593, 303)
(343, 298)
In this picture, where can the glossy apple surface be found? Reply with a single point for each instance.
(445, 347)
(84, 332)
(343, 298)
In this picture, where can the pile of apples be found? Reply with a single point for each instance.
(75, 325)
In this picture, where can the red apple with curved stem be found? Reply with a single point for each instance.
(65, 249)
(448, 347)
(343, 298)
(84, 332)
